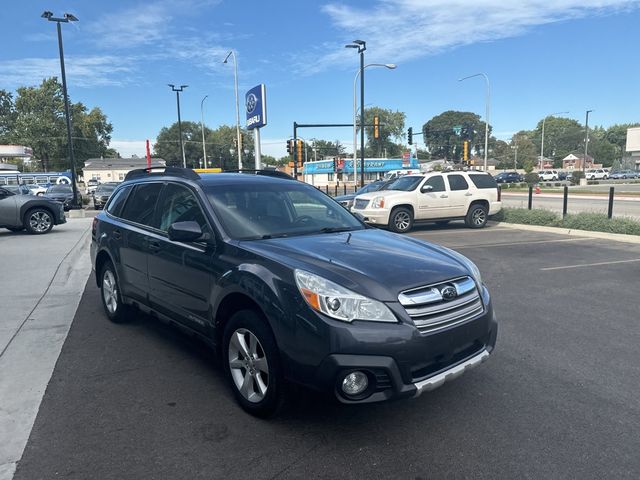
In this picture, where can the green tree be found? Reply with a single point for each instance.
(443, 141)
(268, 160)
(326, 148)
(562, 136)
(7, 115)
(391, 130)
(617, 136)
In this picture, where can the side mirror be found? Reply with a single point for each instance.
(185, 231)
(426, 188)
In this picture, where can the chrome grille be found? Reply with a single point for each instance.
(361, 203)
(430, 311)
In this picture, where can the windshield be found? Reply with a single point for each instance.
(105, 188)
(405, 184)
(372, 187)
(59, 189)
(252, 211)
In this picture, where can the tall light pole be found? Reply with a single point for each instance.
(586, 141)
(235, 76)
(204, 145)
(390, 66)
(486, 113)
(65, 19)
(178, 90)
(540, 165)
(515, 158)
(361, 45)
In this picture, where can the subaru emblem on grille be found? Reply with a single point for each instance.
(448, 293)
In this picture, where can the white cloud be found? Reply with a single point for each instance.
(401, 30)
(97, 70)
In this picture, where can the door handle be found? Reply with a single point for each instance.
(117, 235)
(468, 194)
(444, 196)
(153, 245)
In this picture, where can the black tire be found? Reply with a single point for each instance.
(442, 223)
(38, 221)
(477, 216)
(400, 220)
(265, 391)
(15, 229)
(117, 312)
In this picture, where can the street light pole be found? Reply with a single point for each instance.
(390, 66)
(204, 146)
(66, 19)
(586, 141)
(486, 113)
(178, 90)
(540, 165)
(235, 76)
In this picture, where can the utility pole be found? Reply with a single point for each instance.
(178, 90)
(586, 142)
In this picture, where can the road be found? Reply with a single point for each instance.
(627, 207)
(559, 398)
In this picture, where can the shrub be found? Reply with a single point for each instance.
(531, 178)
(576, 176)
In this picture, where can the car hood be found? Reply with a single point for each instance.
(372, 262)
(382, 193)
(342, 198)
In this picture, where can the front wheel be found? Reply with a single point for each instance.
(400, 220)
(38, 221)
(252, 364)
(477, 216)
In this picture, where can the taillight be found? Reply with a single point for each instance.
(499, 192)
(94, 226)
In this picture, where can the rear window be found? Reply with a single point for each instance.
(484, 181)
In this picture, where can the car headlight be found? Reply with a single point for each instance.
(473, 269)
(377, 202)
(337, 302)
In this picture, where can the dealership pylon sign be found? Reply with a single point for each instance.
(255, 102)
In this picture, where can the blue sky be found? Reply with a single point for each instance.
(541, 57)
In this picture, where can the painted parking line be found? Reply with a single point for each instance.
(532, 242)
(598, 264)
(466, 231)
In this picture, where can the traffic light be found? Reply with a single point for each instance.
(376, 126)
(410, 135)
(465, 151)
(290, 147)
(299, 152)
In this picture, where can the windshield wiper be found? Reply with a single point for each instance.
(335, 229)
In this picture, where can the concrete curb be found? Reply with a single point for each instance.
(616, 237)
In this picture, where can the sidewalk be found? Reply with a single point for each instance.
(45, 276)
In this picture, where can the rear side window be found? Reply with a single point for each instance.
(117, 201)
(141, 204)
(457, 182)
(485, 181)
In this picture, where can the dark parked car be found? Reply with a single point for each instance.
(63, 194)
(18, 189)
(508, 177)
(102, 194)
(29, 212)
(290, 286)
(347, 200)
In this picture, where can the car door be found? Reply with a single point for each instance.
(433, 199)
(180, 273)
(8, 208)
(138, 215)
(459, 195)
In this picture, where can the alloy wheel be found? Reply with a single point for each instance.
(40, 221)
(402, 220)
(110, 291)
(478, 217)
(248, 365)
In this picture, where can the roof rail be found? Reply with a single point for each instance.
(265, 172)
(162, 171)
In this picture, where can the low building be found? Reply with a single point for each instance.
(633, 146)
(330, 172)
(115, 169)
(574, 161)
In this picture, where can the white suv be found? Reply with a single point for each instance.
(548, 175)
(596, 174)
(434, 197)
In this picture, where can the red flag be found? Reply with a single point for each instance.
(148, 156)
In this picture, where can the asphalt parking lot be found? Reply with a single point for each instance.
(559, 398)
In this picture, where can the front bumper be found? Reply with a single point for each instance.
(398, 360)
(374, 216)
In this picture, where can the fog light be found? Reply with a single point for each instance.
(355, 383)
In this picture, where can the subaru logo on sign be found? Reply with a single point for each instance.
(252, 102)
(448, 293)
(255, 102)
